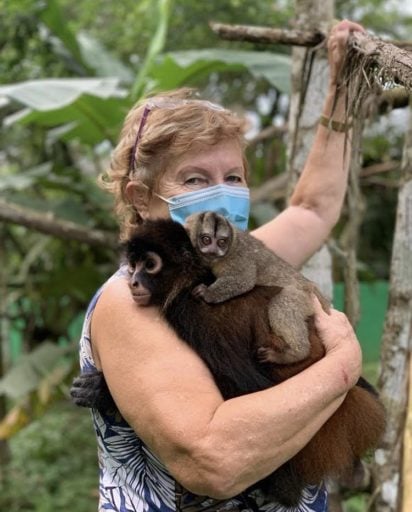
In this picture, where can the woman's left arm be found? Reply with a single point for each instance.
(314, 208)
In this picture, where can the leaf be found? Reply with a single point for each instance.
(30, 370)
(24, 180)
(179, 67)
(52, 17)
(52, 94)
(90, 110)
(101, 61)
(156, 46)
(15, 420)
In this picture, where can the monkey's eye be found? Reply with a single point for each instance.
(130, 269)
(149, 264)
(152, 263)
(206, 240)
(222, 243)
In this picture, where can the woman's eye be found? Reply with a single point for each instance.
(234, 179)
(196, 180)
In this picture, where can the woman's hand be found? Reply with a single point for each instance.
(337, 41)
(340, 341)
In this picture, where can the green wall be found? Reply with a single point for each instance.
(374, 299)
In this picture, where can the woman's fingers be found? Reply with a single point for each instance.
(337, 41)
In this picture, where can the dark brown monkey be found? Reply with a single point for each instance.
(240, 262)
(164, 270)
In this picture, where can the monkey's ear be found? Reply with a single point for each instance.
(138, 195)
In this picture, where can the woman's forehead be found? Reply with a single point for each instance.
(221, 157)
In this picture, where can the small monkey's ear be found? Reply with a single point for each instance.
(138, 195)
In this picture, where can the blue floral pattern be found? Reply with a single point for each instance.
(133, 479)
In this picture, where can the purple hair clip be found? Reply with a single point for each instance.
(168, 104)
(143, 119)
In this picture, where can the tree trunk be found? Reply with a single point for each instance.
(350, 235)
(407, 452)
(303, 116)
(396, 346)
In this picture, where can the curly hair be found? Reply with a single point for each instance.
(174, 124)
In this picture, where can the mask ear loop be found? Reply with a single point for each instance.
(168, 201)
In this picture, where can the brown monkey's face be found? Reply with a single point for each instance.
(211, 234)
(142, 277)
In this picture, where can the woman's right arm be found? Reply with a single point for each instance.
(167, 394)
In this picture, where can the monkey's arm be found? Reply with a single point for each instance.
(166, 393)
(228, 285)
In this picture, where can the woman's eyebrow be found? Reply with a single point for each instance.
(191, 168)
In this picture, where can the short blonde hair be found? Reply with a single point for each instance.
(168, 133)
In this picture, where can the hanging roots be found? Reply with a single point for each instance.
(370, 67)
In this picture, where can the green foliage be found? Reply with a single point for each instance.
(54, 465)
(187, 67)
(358, 503)
(27, 52)
(188, 26)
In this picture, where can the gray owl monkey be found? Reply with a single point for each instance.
(240, 262)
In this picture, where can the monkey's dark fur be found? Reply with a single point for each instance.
(226, 336)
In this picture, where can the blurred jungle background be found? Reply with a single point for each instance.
(69, 72)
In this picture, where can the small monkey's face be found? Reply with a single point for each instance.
(211, 234)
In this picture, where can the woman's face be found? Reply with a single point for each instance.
(197, 169)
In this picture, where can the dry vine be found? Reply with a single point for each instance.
(372, 66)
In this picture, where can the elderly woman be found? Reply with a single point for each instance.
(177, 444)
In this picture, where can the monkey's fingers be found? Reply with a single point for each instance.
(83, 397)
(87, 380)
(199, 291)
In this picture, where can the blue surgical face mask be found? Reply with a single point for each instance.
(230, 201)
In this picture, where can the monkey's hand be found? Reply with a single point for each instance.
(273, 355)
(90, 390)
(199, 291)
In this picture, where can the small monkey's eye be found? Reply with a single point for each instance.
(206, 240)
(130, 269)
(222, 243)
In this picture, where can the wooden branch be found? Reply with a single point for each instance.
(393, 98)
(371, 170)
(272, 189)
(266, 35)
(350, 235)
(266, 133)
(407, 45)
(49, 225)
(396, 63)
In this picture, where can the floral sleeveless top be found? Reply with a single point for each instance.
(133, 479)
